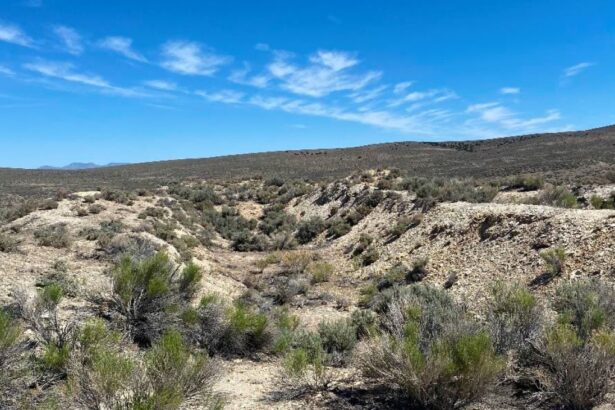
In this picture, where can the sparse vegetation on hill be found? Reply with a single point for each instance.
(379, 289)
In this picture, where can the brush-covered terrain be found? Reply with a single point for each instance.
(566, 157)
(379, 289)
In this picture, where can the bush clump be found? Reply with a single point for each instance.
(309, 229)
(515, 318)
(144, 291)
(8, 243)
(228, 330)
(558, 196)
(337, 228)
(56, 236)
(579, 349)
(103, 375)
(320, 271)
(554, 259)
(431, 349)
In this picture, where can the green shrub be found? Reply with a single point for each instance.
(143, 292)
(8, 243)
(275, 219)
(577, 354)
(304, 364)
(95, 209)
(244, 241)
(451, 190)
(430, 349)
(370, 256)
(247, 331)
(587, 305)
(190, 280)
(554, 259)
(338, 339)
(598, 202)
(297, 262)
(105, 375)
(579, 372)
(404, 223)
(365, 323)
(175, 374)
(528, 182)
(515, 318)
(48, 204)
(310, 229)
(367, 294)
(56, 236)
(10, 359)
(320, 271)
(268, 260)
(337, 228)
(558, 196)
(120, 197)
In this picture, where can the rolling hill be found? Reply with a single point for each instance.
(580, 156)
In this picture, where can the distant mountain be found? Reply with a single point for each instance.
(82, 165)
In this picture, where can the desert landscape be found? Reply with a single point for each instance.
(380, 289)
(287, 205)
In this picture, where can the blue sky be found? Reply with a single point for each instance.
(131, 81)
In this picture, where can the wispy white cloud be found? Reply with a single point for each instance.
(510, 90)
(433, 95)
(335, 60)
(161, 85)
(6, 71)
(11, 33)
(325, 74)
(423, 123)
(66, 72)
(189, 58)
(576, 69)
(122, 46)
(223, 96)
(243, 77)
(495, 113)
(71, 40)
(361, 97)
(401, 87)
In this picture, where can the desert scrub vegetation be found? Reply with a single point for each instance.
(309, 229)
(103, 373)
(599, 202)
(229, 330)
(403, 224)
(554, 259)
(558, 196)
(309, 354)
(451, 190)
(8, 243)
(578, 351)
(525, 182)
(11, 350)
(56, 236)
(320, 271)
(146, 294)
(120, 197)
(430, 349)
(515, 318)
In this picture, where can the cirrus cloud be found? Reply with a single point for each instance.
(189, 58)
